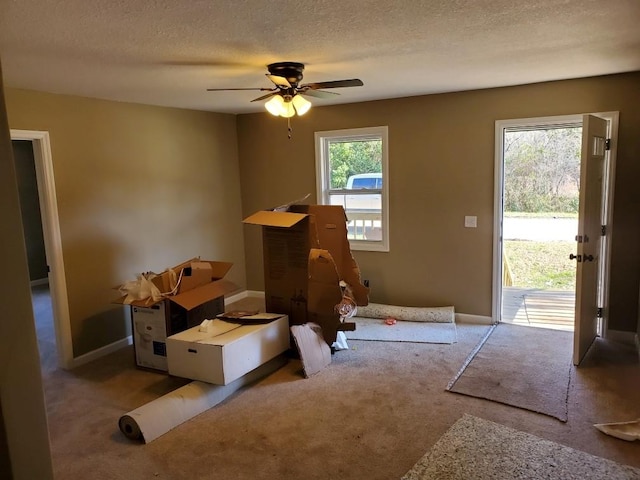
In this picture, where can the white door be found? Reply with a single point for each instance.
(594, 134)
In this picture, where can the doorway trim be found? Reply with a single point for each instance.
(52, 240)
(498, 183)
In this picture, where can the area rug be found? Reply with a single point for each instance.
(376, 329)
(474, 448)
(524, 367)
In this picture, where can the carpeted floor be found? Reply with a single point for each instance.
(520, 366)
(474, 448)
(371, 414)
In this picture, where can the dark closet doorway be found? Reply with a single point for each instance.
(37, 260)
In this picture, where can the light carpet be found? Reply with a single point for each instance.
(474, 448)
(520, 366)
(402, 331)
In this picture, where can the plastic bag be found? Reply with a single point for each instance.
(141, 289)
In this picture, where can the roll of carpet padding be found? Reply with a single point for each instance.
(163, 414)
(413, 314)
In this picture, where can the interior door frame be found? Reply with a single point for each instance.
(608, 188)
(52, 240)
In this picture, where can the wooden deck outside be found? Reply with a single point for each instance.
(538, 308)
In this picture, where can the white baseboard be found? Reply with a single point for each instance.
(474, 319)
(459, 317)
(621, 336)
(101, 352)
(244, 294)
(117, 345)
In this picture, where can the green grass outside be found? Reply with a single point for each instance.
(544, 265)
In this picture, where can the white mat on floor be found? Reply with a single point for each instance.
(478, 449)
(418, 332)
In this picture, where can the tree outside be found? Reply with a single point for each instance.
(541, 181)
(353, 157)
(542, 170)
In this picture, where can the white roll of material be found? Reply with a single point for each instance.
(163, 414)
(413, 314)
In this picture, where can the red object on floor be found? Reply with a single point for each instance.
(390, 321)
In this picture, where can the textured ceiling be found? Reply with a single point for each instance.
(168, 52)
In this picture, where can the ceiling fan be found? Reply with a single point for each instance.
(286, 96)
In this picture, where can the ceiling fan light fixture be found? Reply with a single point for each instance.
(275, 106)
(287, 109)
(301, 104)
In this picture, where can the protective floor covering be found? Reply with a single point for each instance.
(524, 367)
(418, 332)
(474, 448)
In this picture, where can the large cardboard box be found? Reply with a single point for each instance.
(289, 237)
(227, 351)
(198, 295)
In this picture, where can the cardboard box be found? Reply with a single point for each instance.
(149, 328)
(227, 351)
(195, 275)
(199, 295)
(152, 325)
(288, 239)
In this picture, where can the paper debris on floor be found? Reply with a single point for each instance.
(628, 431)
(314, 352)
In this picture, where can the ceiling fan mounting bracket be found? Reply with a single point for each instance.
(292, 71)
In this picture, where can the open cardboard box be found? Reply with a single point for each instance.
(306, 254)
(199, 295)
(200, 281)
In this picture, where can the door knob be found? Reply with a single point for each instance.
(576, 257)
(588, 258)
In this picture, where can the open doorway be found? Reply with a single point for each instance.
(49, 295)
(25, 164)
(540, 219)
(540, 222)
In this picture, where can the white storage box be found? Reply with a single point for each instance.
(150, 335)
(226, 351)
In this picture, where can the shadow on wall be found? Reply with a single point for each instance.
(111, 325)
(90, 270)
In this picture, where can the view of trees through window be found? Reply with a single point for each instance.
(347, 158)
(542, 169)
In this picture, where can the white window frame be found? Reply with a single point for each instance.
(322, 140)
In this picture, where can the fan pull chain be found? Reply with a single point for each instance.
(289, 130)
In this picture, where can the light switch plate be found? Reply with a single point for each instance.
(470, 221)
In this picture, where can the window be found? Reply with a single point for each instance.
(351, 167)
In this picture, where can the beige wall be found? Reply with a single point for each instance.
(441, 164)
(139, 188)
(21, 395)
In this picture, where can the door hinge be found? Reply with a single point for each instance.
(603, 230)
(599, 312)
(607, 144)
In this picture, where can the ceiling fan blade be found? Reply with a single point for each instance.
(318, 93)
(264, 96)
(354, 82)
(279, 81)
(229, 89)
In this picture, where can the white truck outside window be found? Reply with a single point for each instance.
(352, 168)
